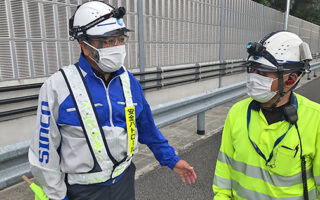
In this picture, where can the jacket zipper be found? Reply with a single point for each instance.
(108, 97)
(109, 102)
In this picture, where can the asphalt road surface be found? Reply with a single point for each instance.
(163, 184)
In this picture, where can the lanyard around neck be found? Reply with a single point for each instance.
(255, 146)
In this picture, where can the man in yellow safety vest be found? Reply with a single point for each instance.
(270, 145)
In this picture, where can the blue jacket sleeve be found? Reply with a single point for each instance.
(150, 135)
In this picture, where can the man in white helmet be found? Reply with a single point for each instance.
(270, 145)
(92, 115)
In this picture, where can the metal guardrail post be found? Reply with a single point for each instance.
(159, 76)
(197, 71)
(308, 76)
(201, 123)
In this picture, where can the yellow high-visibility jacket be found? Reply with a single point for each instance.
(241, 173)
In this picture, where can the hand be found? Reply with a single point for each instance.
(184, 170)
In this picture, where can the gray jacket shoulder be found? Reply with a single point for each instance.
(56, 85)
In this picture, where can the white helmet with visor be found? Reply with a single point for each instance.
(96, 20)
(279, 51)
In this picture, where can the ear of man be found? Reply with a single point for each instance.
(84, 49)
(292, 78)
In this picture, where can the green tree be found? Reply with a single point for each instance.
(305, 9)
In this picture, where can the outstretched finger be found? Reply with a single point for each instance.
(189, 179)
(193, 173)
(193, 180)
(182, 178)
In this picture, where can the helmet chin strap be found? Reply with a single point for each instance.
(280, 86)
(281, 92)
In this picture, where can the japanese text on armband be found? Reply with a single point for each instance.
(131, 128)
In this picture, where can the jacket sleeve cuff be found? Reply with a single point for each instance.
(173, 162)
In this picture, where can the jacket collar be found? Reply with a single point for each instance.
(85, 66)
(255, 105)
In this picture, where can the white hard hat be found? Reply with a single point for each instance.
(279, 48)
(95, 10)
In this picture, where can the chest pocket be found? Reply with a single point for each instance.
(287, 161)
(68, 114)
(74, 109)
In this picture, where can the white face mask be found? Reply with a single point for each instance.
(259, 87)
(111, 58)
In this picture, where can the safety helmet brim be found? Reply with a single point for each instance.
(117, 32)
(260, 67)
(287, 67)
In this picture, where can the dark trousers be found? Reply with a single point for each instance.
(121, 190)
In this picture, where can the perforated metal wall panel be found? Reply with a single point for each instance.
(34, 40)
(6, 66)
(38, 59)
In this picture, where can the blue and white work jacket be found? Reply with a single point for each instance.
(59, 145)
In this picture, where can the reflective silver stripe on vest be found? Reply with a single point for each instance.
(92, 129)
(317, 180)
(125, 80)
(222, 182)
(259, 173)
(250, 194)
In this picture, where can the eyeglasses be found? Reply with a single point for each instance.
(254, 70)
(113, 41)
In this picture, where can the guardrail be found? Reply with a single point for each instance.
(13, 163)
(163, 78)
(13, 158)
(314, 68)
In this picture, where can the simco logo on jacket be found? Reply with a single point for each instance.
(44, 132)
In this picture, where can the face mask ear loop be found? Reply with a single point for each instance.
(100, 43)
(280, 88)
(280, 82)
(95, 54)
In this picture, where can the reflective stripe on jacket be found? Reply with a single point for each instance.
(241, 173)
(59, 146)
